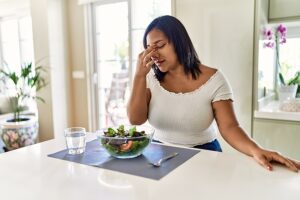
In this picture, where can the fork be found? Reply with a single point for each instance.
(159, 162)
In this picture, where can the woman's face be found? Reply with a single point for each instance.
(165, 57)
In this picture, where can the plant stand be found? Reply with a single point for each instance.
(19, 134)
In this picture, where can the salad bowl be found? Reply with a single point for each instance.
(125, 141)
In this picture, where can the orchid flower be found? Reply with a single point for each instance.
(278, 36)
(272, 39)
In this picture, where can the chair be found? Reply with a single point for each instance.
(115, 104)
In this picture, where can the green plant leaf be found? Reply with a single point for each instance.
(132, 130)
(30, 78)
(111, 132)
(295, 80)
(281, 79)
(40, 98)
(26, 70)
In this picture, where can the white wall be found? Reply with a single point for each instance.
(222, 32)
(41, 53)
(77, 52)
(60, 69)
(51, 50)
(58, 31)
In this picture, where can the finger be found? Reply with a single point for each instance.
(149, 64)
(296, 163)
(285, 161)
(142, 55)
(148, 50)
(148, 56)
(146, 59)
(265, 163)
(292, 166)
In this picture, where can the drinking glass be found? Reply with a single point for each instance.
(75, 140)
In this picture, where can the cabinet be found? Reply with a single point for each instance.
(282, 136)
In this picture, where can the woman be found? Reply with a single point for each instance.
(181, 97)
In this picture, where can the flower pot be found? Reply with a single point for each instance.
(19, 134)
(286, 92)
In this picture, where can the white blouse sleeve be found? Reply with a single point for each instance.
(223, 90)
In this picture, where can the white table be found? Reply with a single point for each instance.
(29, 174)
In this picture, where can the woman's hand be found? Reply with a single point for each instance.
(145, 62)
(265, 157)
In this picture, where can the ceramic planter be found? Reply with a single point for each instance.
(287, 92)
(19, 134)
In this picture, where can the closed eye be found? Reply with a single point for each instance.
(160, 45)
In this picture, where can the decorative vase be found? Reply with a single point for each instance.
(286, 92)
(19, 134)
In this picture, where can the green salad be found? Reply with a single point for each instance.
(124, 143)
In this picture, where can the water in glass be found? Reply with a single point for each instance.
(75, 142)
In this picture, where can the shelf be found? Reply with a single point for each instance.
(272, 111)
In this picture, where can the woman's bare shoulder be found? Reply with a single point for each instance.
(208, 71)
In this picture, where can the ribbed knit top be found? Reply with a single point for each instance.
(186, 119)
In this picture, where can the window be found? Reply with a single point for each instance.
(16, 41)
(289, 61)
(118, 27)
(266, 72)
(290, 53)
(16, 44)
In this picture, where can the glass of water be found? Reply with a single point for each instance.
(75, 140)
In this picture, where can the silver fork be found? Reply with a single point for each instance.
(158, 163)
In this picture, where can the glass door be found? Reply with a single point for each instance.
(112, 35)
(118, 27)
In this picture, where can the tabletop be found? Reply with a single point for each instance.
(29, 174)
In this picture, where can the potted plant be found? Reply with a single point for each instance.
(273, 39)
(19, 129)
(289, 89)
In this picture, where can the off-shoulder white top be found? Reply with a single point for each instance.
(186, 119)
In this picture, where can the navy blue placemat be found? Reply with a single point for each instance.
(95, 155)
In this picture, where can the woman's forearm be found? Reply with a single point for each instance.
(239, 140)
(137, 107)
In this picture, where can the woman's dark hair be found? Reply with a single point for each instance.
(178, 36)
